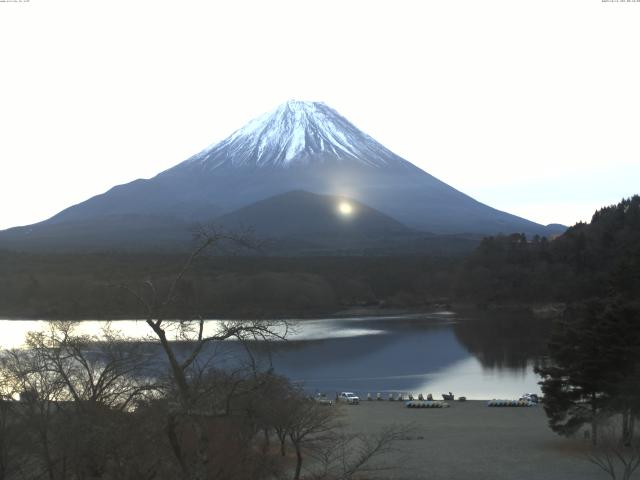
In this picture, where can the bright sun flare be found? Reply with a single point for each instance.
(345, 208)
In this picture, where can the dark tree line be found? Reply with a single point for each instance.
(598, 259)
(80, 286)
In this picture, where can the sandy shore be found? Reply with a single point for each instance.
(472, 441)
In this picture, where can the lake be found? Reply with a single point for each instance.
(479, 355)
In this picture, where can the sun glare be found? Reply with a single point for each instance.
(345, 208)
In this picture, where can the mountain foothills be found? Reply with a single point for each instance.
(285, 174)
(596, 260)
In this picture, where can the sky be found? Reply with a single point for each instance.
(532, 107)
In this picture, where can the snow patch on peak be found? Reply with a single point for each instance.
(291, 134)
(301, 106)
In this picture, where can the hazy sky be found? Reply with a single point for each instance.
(530, 106)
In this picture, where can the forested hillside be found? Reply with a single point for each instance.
(89, 286)
(601, 258)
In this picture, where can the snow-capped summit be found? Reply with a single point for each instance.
(296, 132)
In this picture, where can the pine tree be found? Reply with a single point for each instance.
(593, 370)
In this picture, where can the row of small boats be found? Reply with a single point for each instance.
(510, 403)
(425, 404)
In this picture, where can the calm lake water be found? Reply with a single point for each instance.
(478, 356)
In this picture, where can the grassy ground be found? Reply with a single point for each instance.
(471, 441)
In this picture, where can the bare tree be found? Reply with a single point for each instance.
(26, 374)
(11, 437)
(347, 455)
(77, 394)
(189, 407)
(310, 424)
(276, 407)
(618, 457)
(106, 369)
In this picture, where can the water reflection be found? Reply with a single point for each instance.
(478, 355)
(13, 332)
(502, 340)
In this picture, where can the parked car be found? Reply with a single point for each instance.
(323, 399)
(349, 397)
(530, 397)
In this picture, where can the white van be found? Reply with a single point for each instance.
(349, 397)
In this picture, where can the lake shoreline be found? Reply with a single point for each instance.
(537, 309)
(354, 312)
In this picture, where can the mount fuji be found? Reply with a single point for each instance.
(300, 147)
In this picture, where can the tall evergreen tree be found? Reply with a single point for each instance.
(574, 379)
(593, 370)
(620, 327)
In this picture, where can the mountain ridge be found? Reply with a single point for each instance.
(304, 146)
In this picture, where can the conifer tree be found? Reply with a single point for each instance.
(574, 378)
(593, 370)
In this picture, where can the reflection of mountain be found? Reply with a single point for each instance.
(504, 340)
(397, 361)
